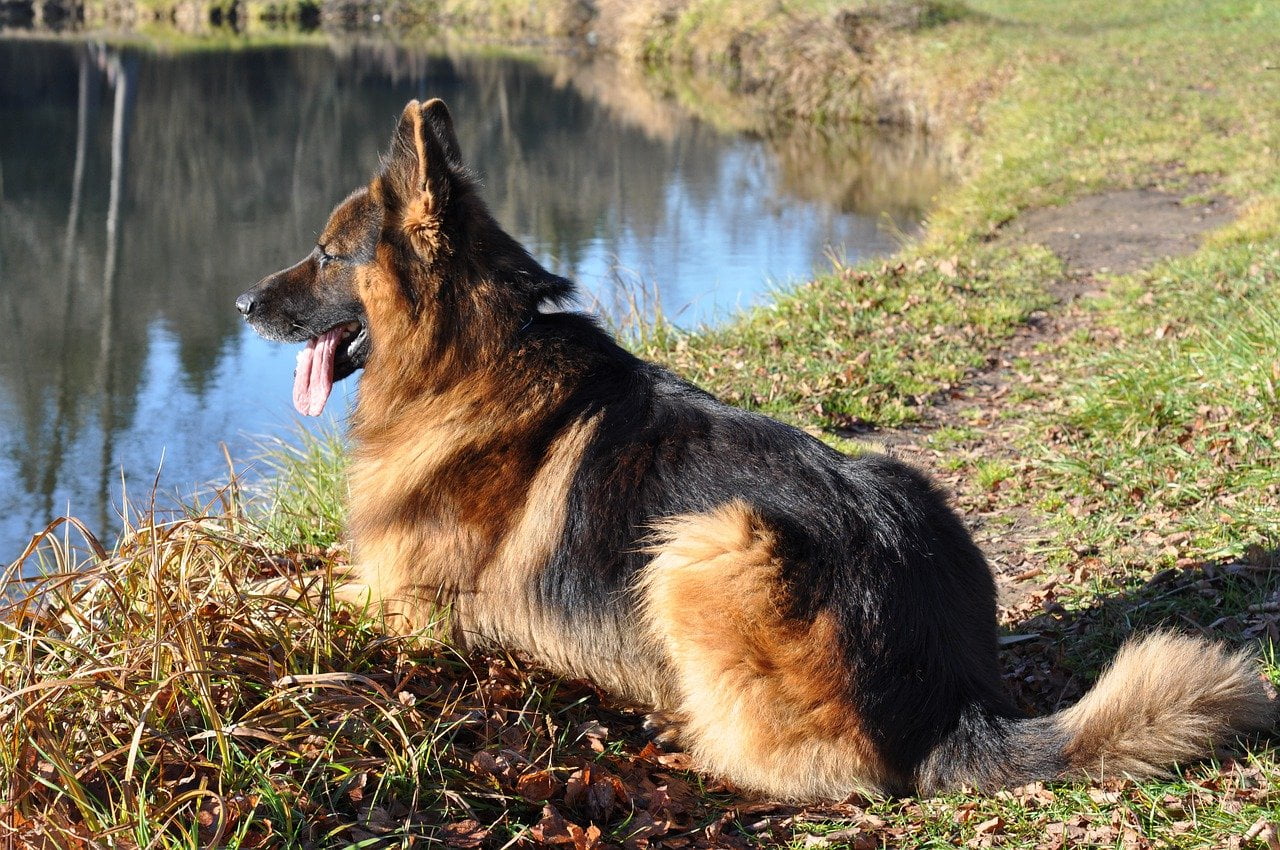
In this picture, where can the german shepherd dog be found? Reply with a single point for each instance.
(819, 624)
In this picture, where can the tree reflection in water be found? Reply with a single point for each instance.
(140, 192)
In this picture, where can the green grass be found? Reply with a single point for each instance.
(988, 474)
(866, 344)
(1175, 425)
(304, 496)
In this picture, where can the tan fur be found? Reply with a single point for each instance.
(413, 546)
(1166, 698)
(382, 299)
(422, 222)
(414, 111)
(765, 698)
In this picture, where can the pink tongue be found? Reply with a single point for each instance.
(313, 377)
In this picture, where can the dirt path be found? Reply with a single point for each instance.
(1102, 235)
(1112, 233)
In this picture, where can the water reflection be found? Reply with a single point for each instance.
(140, 192)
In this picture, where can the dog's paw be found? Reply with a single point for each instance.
(664, 728)
(313, 587)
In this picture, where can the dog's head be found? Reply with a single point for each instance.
(414, 251)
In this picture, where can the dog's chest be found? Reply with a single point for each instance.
(451, 518)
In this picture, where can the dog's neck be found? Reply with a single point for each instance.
(430, 369)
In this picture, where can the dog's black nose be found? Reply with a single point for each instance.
(245, 304)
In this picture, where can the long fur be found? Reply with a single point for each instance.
(1166, 698)
(822, 623)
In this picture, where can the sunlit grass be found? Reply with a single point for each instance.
(870, 343)
(304, 488)
(1174, 424)
(196, 686)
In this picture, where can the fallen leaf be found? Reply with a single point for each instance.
(553, 828)
(993, 825)
(1265, 831)
(537, 787)
(641, 828)
(465, 834)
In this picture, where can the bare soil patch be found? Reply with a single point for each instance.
(1120, 232)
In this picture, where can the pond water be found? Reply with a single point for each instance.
(141, 190)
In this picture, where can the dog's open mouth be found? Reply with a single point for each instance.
(327, 358)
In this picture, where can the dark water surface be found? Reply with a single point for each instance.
(140, 192)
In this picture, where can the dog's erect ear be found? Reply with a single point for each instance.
(416, 173)
(441, 121)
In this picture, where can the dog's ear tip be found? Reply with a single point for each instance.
(412, 115)
(409, 118)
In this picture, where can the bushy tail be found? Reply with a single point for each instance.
(1165, 699)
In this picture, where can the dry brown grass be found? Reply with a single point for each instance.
(753, 65)
(179, 691)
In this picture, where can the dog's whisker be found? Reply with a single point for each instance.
(307, 329)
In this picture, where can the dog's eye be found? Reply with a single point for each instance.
(325, 257)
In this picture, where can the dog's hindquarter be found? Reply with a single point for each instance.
(823, 621)
(766, 695)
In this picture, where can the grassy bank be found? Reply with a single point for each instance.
(749, 66)
(176, 693)
(172, 695)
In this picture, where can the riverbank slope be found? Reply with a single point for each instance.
(755, 66)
